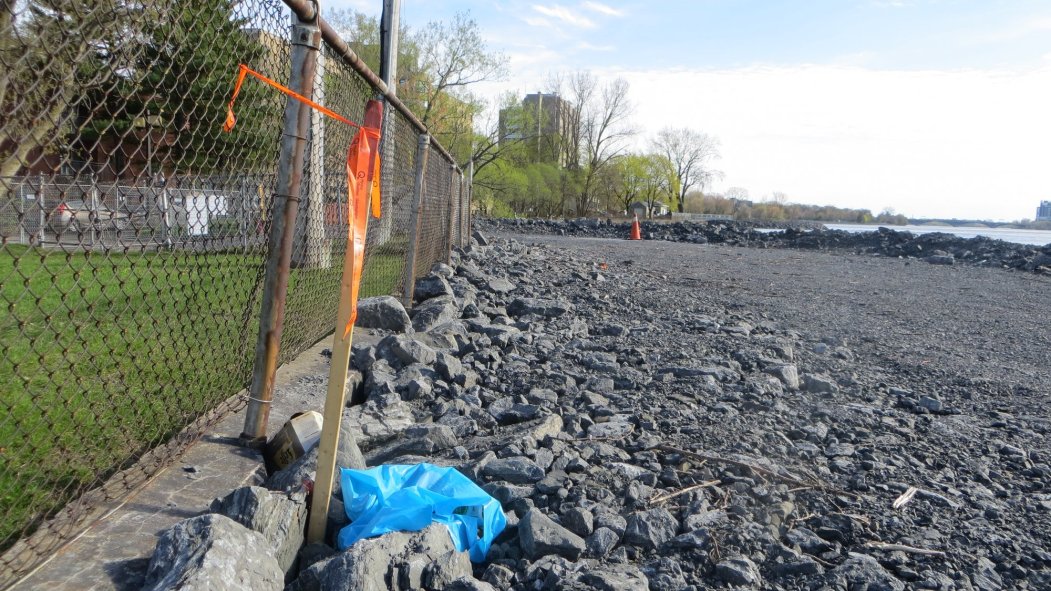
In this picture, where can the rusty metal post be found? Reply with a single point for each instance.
(423, 148)
(306, 40)
(462, 239)
(470, 197)
(452, 212)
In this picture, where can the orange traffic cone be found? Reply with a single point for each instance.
(636, 231)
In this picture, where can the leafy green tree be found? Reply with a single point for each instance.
(52, 53)
(188, 65)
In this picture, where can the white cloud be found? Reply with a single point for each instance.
(565, 15)
(603, 9)
(584, 45)
(928, 143)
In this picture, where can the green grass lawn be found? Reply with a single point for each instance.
(104, 356)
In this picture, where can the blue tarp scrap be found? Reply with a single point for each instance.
(411, 497)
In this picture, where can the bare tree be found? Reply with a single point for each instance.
(454, 56)
(690, 153)
(598, 131)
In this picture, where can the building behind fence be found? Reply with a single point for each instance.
(135, 236)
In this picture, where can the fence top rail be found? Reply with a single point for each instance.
(306, 10)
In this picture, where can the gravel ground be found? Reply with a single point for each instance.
(941, 374)
(674, 416)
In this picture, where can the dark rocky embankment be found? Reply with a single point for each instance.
(640, 444)
(936, 248)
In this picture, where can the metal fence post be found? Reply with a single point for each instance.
(452, 213)
(470, 198)
(306, 41)
(462, 222)
(423, 147)
(43, 214)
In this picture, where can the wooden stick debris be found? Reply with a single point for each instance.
(905, 497)
(668, 496)
(903, 548)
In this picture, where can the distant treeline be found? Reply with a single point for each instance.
(779, 209)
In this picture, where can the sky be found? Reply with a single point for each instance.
(934, 108)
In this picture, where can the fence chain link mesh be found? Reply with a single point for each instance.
(134, 234)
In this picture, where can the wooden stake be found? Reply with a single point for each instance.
(342, 340)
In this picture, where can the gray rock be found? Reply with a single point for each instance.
(506, 411)
(434, 312)
(498, 576)
(516, 470)
(448, 366)
(447, 568)
(863, 572)
(408, 351)
(738, 570)
(468, 584)
(539, 307)
(616, 577)
(540, 536)
(808, 541)
(817, 384)
(788, 375)
(212, 552)
(421, 440)
(384, 312)
(698, 539)
(601, 542)
(377, 421)
(579, 521)
(941, 259)
(393, 560)
(479, 238)
(930, 403)
(280, 518)
(500, 285)
(650, 529)
(610, 430)
(431, 286)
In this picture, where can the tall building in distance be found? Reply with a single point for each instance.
(543, 124)
(1043, 213)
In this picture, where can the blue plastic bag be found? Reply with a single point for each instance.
(411, 497)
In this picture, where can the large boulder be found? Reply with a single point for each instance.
(377, 421)
(539, 536)
(384, 312)
(280, 518)
(431, 286)
(396, 560)
(434, 312)
(212, 552)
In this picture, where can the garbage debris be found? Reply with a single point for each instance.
(411, 497)
(297, 436)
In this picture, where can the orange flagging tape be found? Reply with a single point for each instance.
(244, 70)
(362, 187)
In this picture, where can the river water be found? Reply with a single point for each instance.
(1037, 237)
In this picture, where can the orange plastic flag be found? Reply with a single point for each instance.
(363, 173)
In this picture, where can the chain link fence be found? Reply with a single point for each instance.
(134, 236)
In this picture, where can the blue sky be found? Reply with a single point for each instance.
(931, 107)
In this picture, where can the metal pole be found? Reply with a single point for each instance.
(461, 223)
(313, 250)
(93, 215)
(383, 230)
(470, 198)
(450, 210)
(423, 148)
(306, 40)
(43, 214)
